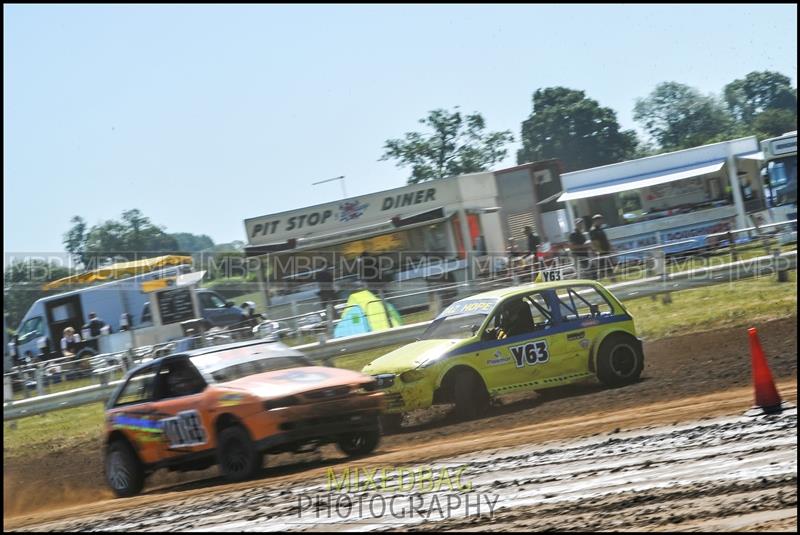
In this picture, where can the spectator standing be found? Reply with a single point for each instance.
(601, 245)
(533, 242)
(95, 325)
(580, 246)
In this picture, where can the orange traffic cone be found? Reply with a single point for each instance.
(767, 397)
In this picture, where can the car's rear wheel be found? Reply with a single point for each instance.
(124, 472)
(237, 454)
(359, 442)
(470, 396)
(619, 360)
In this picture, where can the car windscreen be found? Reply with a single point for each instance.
(457, 327)
(222, 373)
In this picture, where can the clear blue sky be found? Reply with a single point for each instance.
(202, 116)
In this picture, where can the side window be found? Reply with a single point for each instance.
(178, 378)
(139, 389)
(31, 329)
(542, 315)
(582, 302)
(519, 315)
(214, 301)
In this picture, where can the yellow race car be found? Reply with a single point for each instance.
(524, 338)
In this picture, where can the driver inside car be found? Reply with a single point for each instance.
(180, 382)
(515, 319)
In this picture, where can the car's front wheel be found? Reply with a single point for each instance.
(124, 471)
(237, 454)
(359, 442)
(619, 360)
(470, 396)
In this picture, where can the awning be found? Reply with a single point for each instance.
(752, 156)
(641, 181)
(396, 224)
(550, 198)
(122, 269)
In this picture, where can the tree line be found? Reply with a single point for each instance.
(568, 125)
(132, 237)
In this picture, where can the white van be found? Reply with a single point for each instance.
(42, 327)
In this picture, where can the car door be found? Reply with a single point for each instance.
(520, 357)
(133, 413)
(182, 409)
(582, 309)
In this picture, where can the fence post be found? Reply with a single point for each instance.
(435, 304)
(23, 375)
(39, 380)
(783, 274)
(732, 245)
(329, 319)
(8, 389)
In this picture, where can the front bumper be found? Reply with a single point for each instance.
(321, 422)
(404, 397)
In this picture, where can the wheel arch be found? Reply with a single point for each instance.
(444, 389)
(598, 343)
(226, 420)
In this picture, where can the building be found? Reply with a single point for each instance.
(418, 230)
(670, 197)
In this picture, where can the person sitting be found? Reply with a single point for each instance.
(70, 342)
(180, 382)
(518, 318)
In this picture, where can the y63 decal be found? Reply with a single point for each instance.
(531, 353)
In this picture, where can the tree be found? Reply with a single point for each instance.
(678, 116)
(457, 145)
(772, 123)
(760, 91)
(133, 237)
(192, 243)
(75, 239)
(567, 125)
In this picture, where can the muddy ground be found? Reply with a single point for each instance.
(678, 368)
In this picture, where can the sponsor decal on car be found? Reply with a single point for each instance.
(230, 400)
(498, 360)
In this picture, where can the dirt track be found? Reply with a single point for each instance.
(677, 370)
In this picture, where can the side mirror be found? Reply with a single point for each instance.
(228, 304)
(594, 309)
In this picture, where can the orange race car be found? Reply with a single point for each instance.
(229, 405)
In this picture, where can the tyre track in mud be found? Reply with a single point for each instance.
(725, 459)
